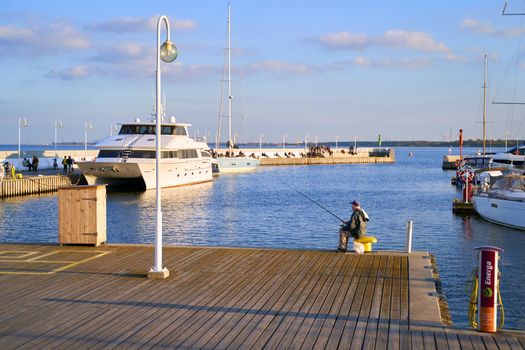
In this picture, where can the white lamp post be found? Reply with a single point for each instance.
(355, 143)
(316, 140)
(168, 53)
(306, 142)
(260, 142)
(284, 141)
(22, 123)
(58, 124)
(87, 127)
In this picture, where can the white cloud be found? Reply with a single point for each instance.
(345, 40)
(395, 38)
(73, 73)
(40, 39)
(485, 28)
(280, 67)
(417, 41)
(137, 24)
(416, 63)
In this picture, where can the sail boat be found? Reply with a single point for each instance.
(234, 161)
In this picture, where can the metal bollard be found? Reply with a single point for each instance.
(409, 237)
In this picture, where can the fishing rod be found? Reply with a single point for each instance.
(319, 205)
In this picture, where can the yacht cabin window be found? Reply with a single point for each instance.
(127, 129)
(180, 154)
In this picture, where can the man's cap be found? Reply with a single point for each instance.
(356, 203)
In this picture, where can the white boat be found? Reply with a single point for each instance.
(229, 162)
(503, 201)
(128, 158)
(514, 157)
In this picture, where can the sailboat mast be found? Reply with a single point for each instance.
(230, 97)
(485, 105)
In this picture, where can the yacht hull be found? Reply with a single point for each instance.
(501, 211)
(125, 174)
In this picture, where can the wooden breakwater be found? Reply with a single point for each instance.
(33, 185)
(339, 158)
(328, 160)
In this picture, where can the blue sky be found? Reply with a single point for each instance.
(408, 70)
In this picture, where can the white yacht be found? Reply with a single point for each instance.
(502, 201)
(128, 158)
(230, 162)
(514, 157)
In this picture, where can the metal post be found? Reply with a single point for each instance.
(157, 271)
(19, 127)
(409, 237)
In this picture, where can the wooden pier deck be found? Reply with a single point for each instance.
(83, 297)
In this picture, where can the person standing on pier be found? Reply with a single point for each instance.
(34, 164)
(355, 227)
(69, 164)
(64, 164)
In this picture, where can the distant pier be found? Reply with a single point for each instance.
(294, 156)
(84, 297)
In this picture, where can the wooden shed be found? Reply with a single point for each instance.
(82, 215)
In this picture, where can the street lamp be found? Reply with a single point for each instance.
(260, 142)
(58, 124)
(355, 143)
(306, 142)
(336, 140)
(284, 140)
(167, 53)
(87, 127)
(22, 123)
(316, 140)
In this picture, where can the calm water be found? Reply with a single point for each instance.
(260, 210)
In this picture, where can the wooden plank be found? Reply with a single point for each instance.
(453, 340)
(394, 331)
(372, 326)
(221, 298)
(464, 342)
(293, 324)
(324, 311)
(384, 314)
(187, 319)
(513, 342)
(416, 341)
(256, 288)
(195, 294)
(477, 342)
(490, 343)
(404, 305)
(187, 289)
(240, 326)
(359, 338)
(352, 313)
(429, 341)
(157, 306)
(441, 340)
(300, 325)
(277, 326)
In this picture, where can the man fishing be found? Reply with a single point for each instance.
(356, 226)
